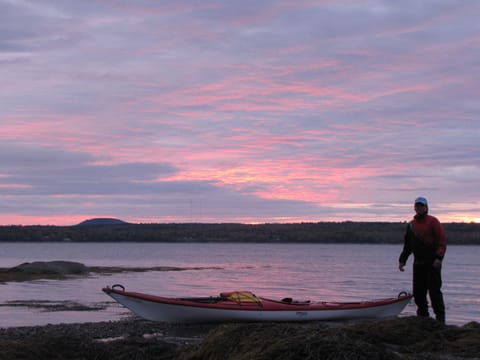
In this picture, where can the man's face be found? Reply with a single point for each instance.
(420, 208)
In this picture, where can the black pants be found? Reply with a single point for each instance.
(428, 279)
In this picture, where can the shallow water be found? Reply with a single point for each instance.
(303, 271)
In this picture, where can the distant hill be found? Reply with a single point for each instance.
(102, 221)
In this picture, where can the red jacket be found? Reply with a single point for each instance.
(424, 237)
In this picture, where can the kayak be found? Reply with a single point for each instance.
(244, 306)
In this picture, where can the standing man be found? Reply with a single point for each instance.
(426, 239)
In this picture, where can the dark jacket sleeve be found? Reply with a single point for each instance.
(407, 246)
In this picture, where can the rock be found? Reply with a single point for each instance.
(126, 339)
(62, 269)
(394, 339)
(51, 267)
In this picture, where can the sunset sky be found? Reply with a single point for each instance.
(238, 111)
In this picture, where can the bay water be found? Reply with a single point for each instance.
(316, 272)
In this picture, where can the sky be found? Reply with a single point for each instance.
(238, 111)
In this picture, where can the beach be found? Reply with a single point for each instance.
(399, 338)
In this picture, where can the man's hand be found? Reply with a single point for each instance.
(437, 264)
(401, 266)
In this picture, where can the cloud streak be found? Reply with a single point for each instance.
(238, 111)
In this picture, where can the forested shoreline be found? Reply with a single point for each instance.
(320, 232)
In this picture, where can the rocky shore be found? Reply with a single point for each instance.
(401, 338)
(60, 269)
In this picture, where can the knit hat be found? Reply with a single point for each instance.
(421, 200)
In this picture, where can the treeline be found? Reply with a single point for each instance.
(321, 232)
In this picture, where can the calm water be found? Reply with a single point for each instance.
(306, 271)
